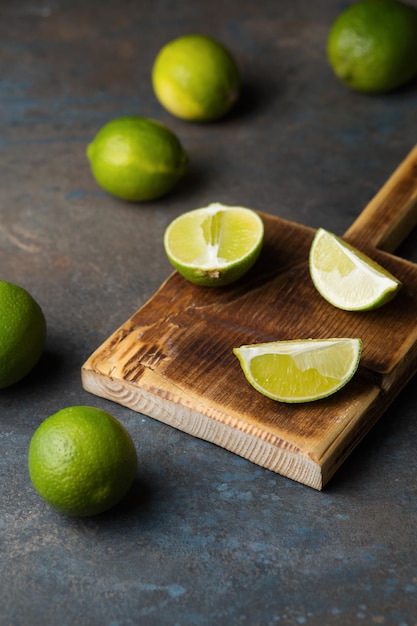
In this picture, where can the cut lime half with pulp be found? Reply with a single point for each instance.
(300, 370)
(215, 245)
(346, 277)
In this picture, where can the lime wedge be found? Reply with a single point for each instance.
(346, 277)
(215, 245)
(300, 370)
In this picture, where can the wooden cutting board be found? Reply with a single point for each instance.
(173, 360)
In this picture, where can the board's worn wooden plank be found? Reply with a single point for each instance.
(392, 213)
(173, 358)
(161, 400)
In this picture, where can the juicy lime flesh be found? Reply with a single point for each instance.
(214, 239)
(346, 277)
(216, 244)
(82, 461)
(281, 376)
(300, 371)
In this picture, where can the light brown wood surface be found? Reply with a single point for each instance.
(173, 360)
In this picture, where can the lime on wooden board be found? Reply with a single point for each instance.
(346, 277)
(215, 245)
(300, 370)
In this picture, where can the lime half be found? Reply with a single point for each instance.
(346, 277)
(300, 370)
(215, 245)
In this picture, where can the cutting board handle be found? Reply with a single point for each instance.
(392, 214)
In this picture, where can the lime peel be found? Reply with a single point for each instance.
(82, 461)
(22, 333)
(301, 370)
(372, 45)
(347, 278)
(136, 158)
(196, 78)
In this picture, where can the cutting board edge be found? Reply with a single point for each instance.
(161, 400)
(286, 462)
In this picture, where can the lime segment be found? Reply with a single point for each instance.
(347, 278)
(215, 245)
(300, 370)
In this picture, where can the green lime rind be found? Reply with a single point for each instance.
(136, 159)
(196, 78)
(217, 277)
(82, 461)
(216, 245)
(22, 335)
(372, 45)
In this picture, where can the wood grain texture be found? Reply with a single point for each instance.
(173, 360)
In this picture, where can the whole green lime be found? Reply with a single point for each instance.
(372, 45)
(22, 333)
(137, 159)
(82, 461)
(196, 78)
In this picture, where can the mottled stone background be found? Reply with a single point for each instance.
(205, 538)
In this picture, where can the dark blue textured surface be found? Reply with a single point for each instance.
(204, 538)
